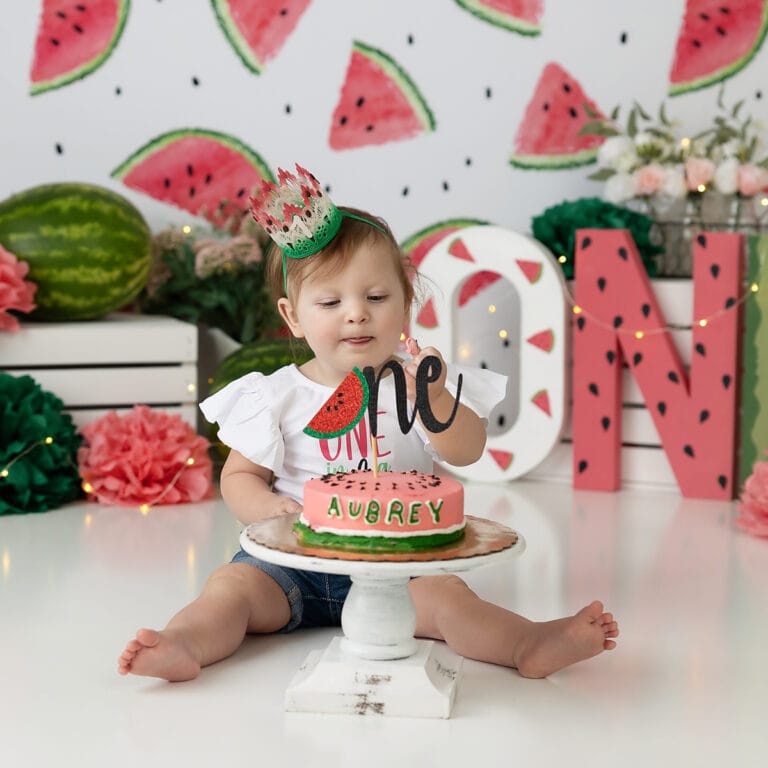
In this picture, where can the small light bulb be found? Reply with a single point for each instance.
(4, 472)
(48, 440)
(685, 142)
(562, 258)
(639, 334)
(190, 461)
(703, 322)
(402, 338)
(503, 334)
(754, 287)
(576, 309)
(186, 229)
(144, 509)
(191, 387)
(702, 188)
(491, 308)
(764, 201)
(87, 487)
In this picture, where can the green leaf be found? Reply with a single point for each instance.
(589, 111)
(615, 113)
(663, 119)
(598, 128)
(642, 112)
(632, 124)
(602, 174)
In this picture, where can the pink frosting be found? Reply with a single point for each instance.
(394, 504)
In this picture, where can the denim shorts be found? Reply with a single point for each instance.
(316, 599)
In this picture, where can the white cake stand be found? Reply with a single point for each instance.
(378, 667)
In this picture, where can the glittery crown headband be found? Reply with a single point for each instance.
(299, 217)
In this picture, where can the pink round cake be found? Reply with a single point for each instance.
(394, 512)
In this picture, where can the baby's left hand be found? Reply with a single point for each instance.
(436, 388)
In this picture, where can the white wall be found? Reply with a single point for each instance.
(454, 58)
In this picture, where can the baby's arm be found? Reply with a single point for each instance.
(463, 442)
(246, 489)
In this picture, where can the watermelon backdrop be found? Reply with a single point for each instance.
(408, 109)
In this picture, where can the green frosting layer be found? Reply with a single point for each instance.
(311, 538)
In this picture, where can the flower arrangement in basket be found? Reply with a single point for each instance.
(214, 277)
(717, 170)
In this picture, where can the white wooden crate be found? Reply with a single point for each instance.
(109, 364)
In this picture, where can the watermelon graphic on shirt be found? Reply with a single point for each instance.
(521, 16)
(258, 30)
(74, 39)
(379, 102)
(207, 173)
(716, 40)
(548, 136)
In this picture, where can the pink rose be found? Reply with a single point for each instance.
(649, 179)
(698, 171)
(752, 179)
(754, 501)
(144, 457)
(15, 292)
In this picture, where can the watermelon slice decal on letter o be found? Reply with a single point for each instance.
(74, 39)
(379, 103)
(204, 172)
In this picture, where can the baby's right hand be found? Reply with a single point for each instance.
(283, 505)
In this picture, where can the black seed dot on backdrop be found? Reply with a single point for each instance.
(623, 253)
(195, 81)
(582, 466)
(672, 376)
(369, 128)
(287, 109)
(488, 93)
(445, 186)
(715, 270)
(703, 416)
(729, 302)
(580, 322)
(702, 240)
(701, 349)
(586, 242)
(606, 422)
(327, 189)
(617, 321)
(506, 342)
(594, 389)
(468, 161)
(637, 358)
(722, 481)
(601, 283)
(662, 407)
(688, 450)
(610, 356)
(360, 101)
(343, 120)
(646, 310)
(118, 90)
(623, 38)
(283, 11)
(410, 39)
(726, 381)
(59, 149)
(545, 106)
(405, 191)
(758, 94)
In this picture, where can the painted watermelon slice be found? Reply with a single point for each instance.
(548, 136)
(207, 173)
(716, 40)
(544, 340)
(343, 409)
(74, 39)
(379, 102)
(531, 269)
(418, 245)
(521, 16)
(257, 31)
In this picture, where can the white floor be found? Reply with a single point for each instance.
(688, 685)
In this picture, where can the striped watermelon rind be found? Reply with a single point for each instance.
(541, 162)
(403, 81)
(678, 88)
(433, 234)
(235, 37)
(500, 19)
(88, 248)
(123, 6)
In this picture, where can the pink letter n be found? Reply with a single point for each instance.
(694, 413)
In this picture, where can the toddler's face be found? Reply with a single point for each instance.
(351, 318)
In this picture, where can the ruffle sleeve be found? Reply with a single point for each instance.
(481, 389)
(246, 415)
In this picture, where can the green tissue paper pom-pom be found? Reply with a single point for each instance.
(35, 476)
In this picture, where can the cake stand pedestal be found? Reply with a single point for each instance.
(378, 667)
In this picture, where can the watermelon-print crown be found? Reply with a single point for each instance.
(296, 213)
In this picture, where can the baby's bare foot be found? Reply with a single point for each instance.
(155, 654)
(553, 645)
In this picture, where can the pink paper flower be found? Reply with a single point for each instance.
(698, 172)
(15, 292)
(144, 457)
(754, 501)
(751, 179)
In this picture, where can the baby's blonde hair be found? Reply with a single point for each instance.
(335, 256)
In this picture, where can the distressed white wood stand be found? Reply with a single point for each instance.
(378, 667)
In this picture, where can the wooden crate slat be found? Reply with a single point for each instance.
(84, 416)
(119, 338)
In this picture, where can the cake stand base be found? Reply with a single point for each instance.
(334, 681)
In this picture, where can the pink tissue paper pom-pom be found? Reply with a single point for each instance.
(15, 292)
(754, 501)
(132, 459)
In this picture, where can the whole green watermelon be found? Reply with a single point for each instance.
(88, 248)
